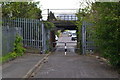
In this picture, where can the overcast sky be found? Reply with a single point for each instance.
(60, 4)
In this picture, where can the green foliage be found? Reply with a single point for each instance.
(58, 33)
(81, 17)
(14, 55)
(5, 58)
(18, 50)
(48, 25)
(48, 45)
(18, 47)
(106, 29)
(79, 35)
(21, 10)
(47, 51)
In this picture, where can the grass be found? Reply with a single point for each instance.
(5, 58)
(8, 57)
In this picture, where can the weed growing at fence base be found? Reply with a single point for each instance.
(5, 58)
(18, 46)
(18, 51)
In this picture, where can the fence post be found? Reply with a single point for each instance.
(0, 30)
(0, 39)
(84, 38)
(42, 37)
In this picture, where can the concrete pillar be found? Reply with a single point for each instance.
(0, 40)
(0, 31)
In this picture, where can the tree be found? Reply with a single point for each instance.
(107, 32)
(21, 10)
(106, 29)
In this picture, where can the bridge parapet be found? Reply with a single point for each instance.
(67, 17)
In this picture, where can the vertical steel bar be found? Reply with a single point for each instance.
(42, 37)
(32, 34)
(38, 34)
(35, 34)
(23, 31)
(24, 22)
(29, 32)
(1, 42)
(85, 37)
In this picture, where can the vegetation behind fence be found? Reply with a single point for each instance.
(106, 29)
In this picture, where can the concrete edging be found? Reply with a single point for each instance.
(99, 57)
(29, 73)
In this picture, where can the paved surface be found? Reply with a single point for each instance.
(19, 67)
(60, 65)
(73, 65)
(61, 44)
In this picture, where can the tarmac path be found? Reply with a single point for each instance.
(73, 65)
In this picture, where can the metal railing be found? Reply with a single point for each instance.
(88, 44)
(33, 32)
(67, 17)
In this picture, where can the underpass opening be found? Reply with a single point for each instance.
(64, 21)
(66, 42)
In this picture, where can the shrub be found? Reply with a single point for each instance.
(18, 46)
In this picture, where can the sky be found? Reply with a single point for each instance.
(59, 4)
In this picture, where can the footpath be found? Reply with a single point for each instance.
(19, 67)
(73, 65)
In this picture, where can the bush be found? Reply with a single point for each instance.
(106, 30)
(18, 50)
(18, 47)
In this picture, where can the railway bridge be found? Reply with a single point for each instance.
(64, 21)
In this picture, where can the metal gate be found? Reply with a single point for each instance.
(31, 31)
(88, 45)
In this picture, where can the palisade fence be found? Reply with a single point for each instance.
(88, 44)
(33, 32)
(8, 38)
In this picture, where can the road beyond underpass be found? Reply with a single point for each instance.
(73, 65)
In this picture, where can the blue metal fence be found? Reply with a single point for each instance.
(34, 34)
(88, 44)
(8, 38)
